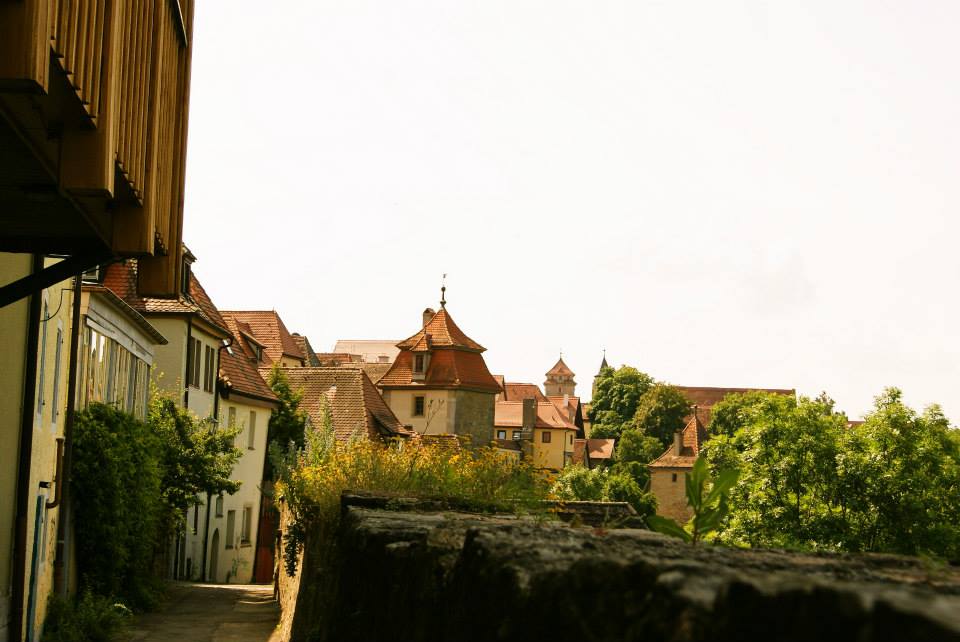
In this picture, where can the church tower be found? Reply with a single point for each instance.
(596, 377)
(559, 381)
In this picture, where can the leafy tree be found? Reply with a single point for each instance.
(622, 487)
(739, 409)
(615, 400)
(579, 483)
(709, 499)
(287, 422)
(661, 411)
(891, 484)
(197, 457)
(633, 452)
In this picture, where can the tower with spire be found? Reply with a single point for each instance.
(560, 380)
(596, 377)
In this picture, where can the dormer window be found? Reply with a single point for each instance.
(257, 352)
(419, 361)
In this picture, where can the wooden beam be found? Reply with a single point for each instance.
(71, 266)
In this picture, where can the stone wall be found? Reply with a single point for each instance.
(413, 574)
(473, 414)
(671, 494)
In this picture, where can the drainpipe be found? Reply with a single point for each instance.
(62, 565)
(26, 456)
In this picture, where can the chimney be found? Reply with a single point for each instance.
(677, 442)
(526, 431)
(428, 315)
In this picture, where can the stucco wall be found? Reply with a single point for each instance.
(671, 494)
(234, 562)
(438, 404)
(551, 455)
(13, 336)
(171, 362)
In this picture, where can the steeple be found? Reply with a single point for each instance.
(559, 380)
(596, 377)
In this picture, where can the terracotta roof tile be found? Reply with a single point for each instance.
(521, 391)
(600, 448)
(705, 397)
(355, 404)
(269, 330)
(238, 367)
(560, 369)
(121, 279)
(333, 359)
(692, 438)
(443, 332)
(374, 370)
(448, 369)
(307, 350)
(509, 414)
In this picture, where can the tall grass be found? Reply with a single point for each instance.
(311, 481)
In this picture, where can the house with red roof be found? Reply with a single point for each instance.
(552, 422)
(439, 382)
(273, 343)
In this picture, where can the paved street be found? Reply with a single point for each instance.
(211, 613)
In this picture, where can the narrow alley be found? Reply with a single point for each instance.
(211, 613)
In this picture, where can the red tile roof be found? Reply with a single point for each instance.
(705, 397)
(443, 442)
(307, 350)
(333, 359)
(238, 367)
(509, 414)
(443, 333)
(355, 403)
(692, 438)
(121, 279)
(600, 448)
(268, 328)
(521, 391)
(449, 368)
(374, 370)
(560, 369)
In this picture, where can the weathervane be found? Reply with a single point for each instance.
(443, 292)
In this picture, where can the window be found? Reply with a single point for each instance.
(209, 376)
(245, 525)
(231, 525)
(196, 363)
(674, 477)
(501, 434)
(545, 436)
(570, 441)
(55, 411)
(232, 420)
(251, 430)
(516, 435)
(218, 511)
(418, 361)
(418, 405)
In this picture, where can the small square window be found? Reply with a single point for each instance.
(418, 406)
(501, 434)
(545, 436)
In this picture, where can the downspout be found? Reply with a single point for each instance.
(25, 459)
(62, 563)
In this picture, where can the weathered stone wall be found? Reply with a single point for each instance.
(412, 575)
(671, 495)
(473, 414)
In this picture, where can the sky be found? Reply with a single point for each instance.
(743, 194)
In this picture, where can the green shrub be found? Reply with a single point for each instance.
(85, 618)
(578, 483)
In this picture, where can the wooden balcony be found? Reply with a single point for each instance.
(93, 128)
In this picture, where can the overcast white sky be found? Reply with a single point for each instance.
(719, 193)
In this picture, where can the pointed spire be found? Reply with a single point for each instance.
(603, 364)
(443, 291)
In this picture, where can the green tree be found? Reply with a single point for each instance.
(288, 421)
(620, 486)
(615, 400)
(898, 477)
(633, 452)
(579, 483)
(661, 411)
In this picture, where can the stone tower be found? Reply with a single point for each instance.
(559, 381)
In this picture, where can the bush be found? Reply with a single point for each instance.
(87, 618)
(578, 483)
